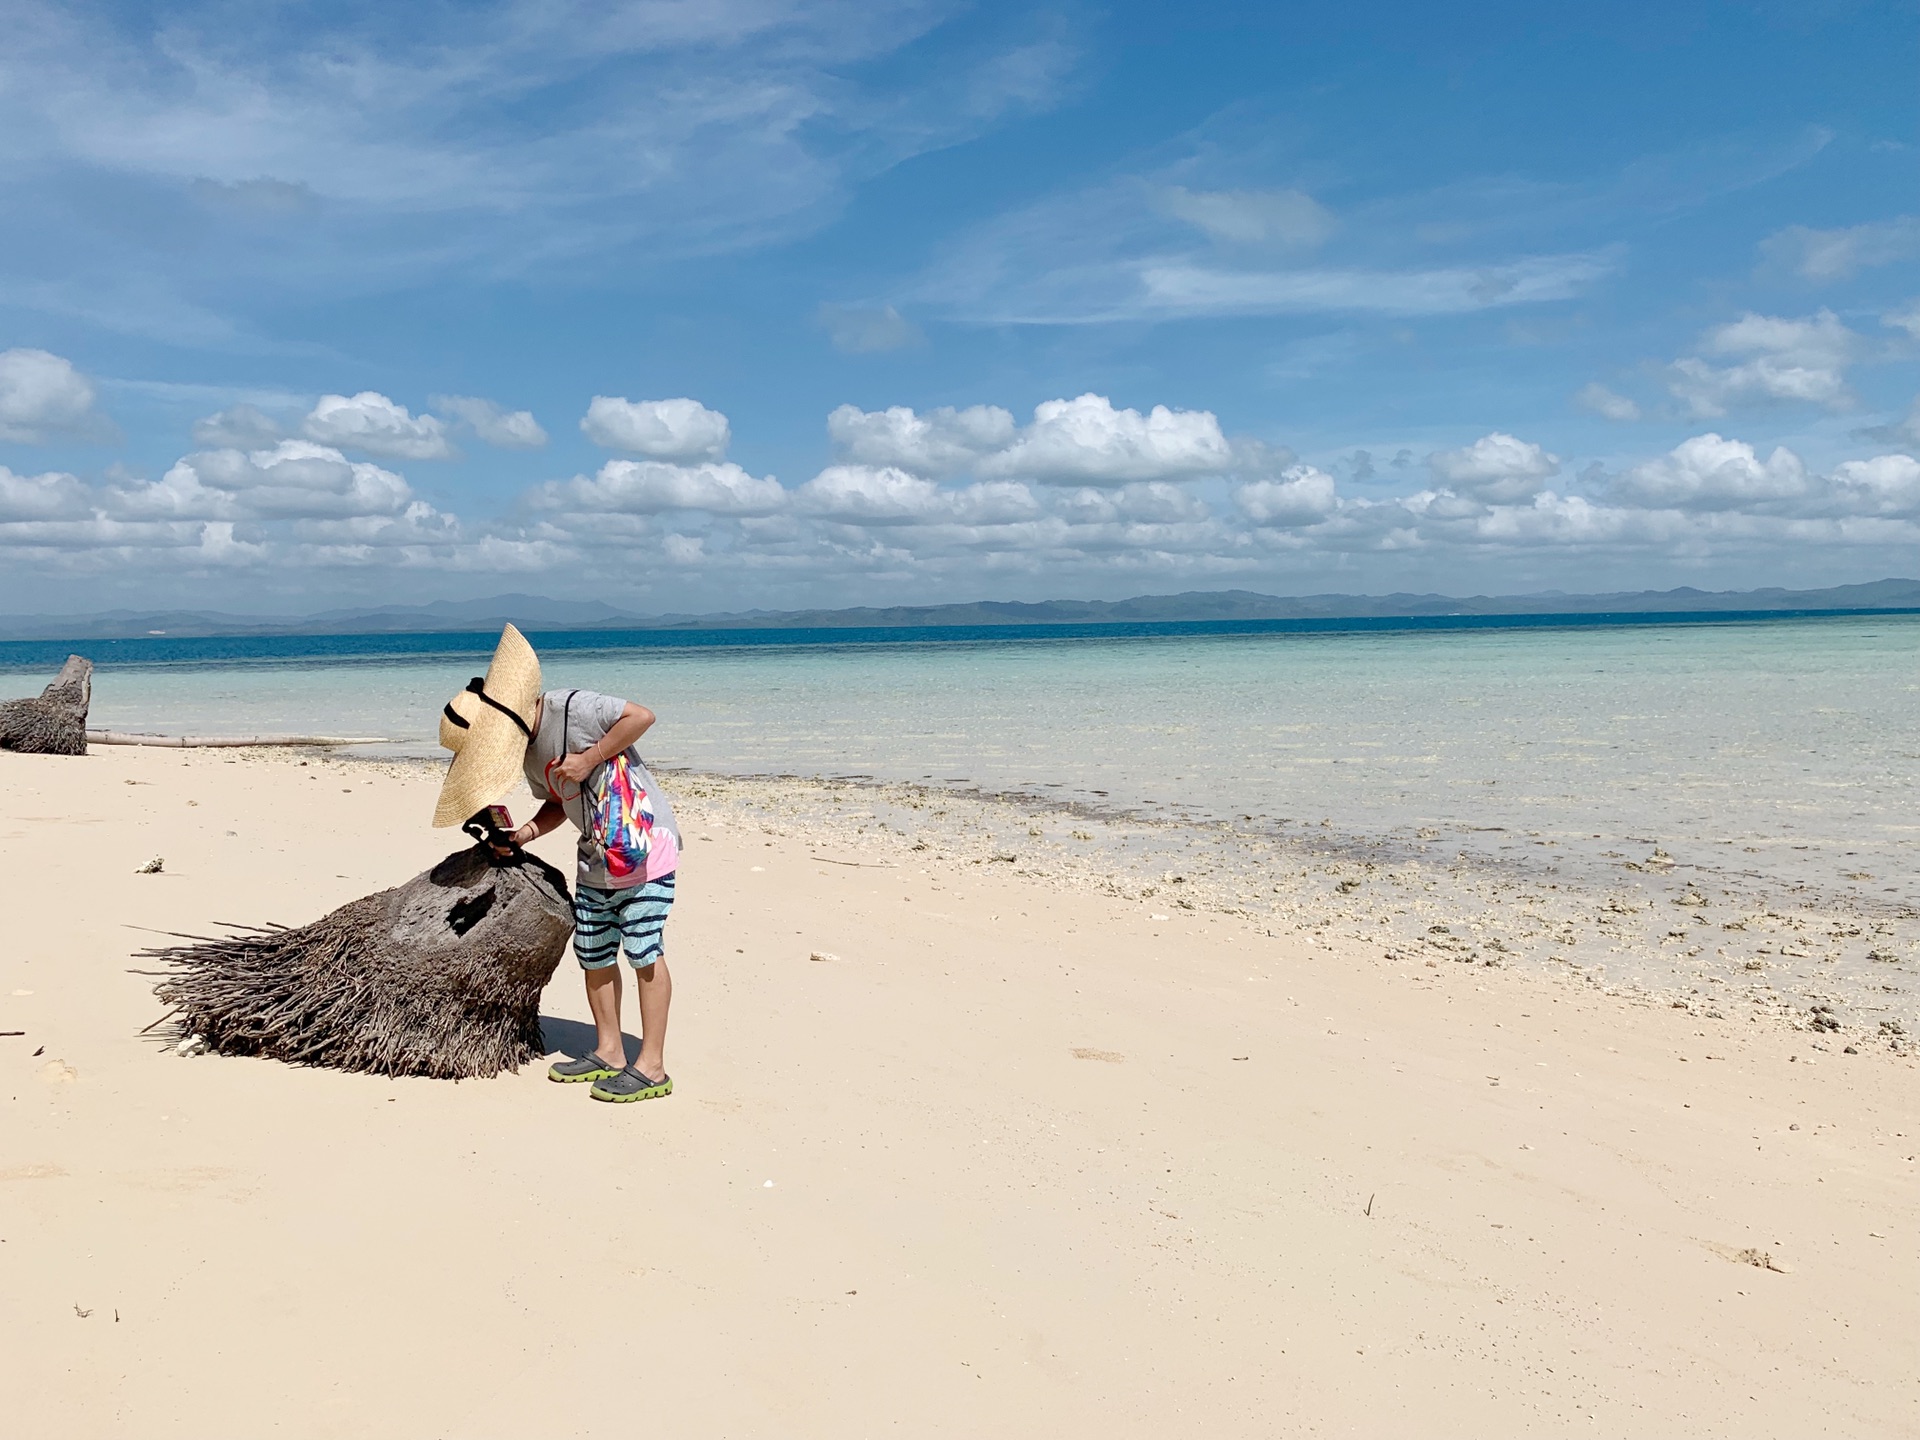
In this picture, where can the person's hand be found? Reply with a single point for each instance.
(576, 768)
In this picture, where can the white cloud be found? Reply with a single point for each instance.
(1606, 403)
(1160, 247)
(994, 502)
(1178, 288)
(372, 423)
(1883, 485)
(43, 396)
(1147, 502)
(1906, 318)
(1252, 217)
(508, 429)
(888, 495)
(1838, 254)
(333, 156)
(1899, 432)
(1087, 495)
(1777, 359)
(52, 496)
(940, 442)
(650, 487)
(865, 330)
(870, 495)
(239, 427)
(1301, 496)
(1087, 441)
(1497, 468)
(1711, 473)
(296, 479)
(683, 549)
(1084, 441)
(677, 430)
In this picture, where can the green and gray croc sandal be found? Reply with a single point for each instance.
(630, 1084)
(587, 1067)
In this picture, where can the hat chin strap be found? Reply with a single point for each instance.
(478, 686)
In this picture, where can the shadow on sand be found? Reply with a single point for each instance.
(575, 1037)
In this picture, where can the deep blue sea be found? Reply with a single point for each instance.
(160, 649)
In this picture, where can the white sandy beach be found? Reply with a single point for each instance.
(1020, 1159)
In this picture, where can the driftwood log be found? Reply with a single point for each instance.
(55, 723)
(440, 976)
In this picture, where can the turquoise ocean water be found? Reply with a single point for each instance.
(1781, 750)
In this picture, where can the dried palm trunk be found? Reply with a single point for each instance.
(440, 976)
(56, 722)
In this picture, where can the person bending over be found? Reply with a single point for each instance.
(583, 766)
(576, 749)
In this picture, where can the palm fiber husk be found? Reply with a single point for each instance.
(439, 977)
(55, 721)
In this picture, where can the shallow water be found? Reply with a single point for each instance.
(1781, 751)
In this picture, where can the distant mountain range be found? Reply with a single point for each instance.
(536, 612)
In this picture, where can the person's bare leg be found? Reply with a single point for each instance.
(655, 985)
(603, 998)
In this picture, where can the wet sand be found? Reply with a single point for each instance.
(1070, 1136)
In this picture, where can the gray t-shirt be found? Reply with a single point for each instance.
(586, 718)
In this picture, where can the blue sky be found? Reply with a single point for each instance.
(704, 305)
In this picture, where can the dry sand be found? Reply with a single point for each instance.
(1026, 1156)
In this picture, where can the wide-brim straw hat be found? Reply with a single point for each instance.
(487, 726)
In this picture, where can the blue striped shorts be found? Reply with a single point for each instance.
(607, 923)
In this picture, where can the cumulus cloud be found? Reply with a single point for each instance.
(1774, 359)
(870, 495)
(240, 427)
(507, 429)
(42, 397)
(1086, 441)
(940, 442)
(1147, 502)
(1883, 485)
(52, 496)
(888, 495)
(1605, 403)
(371, 423)
(683, 549)
(650, 487)
(1837, 254)
(866, 330)
(680, 430)
(296, 479)
(1301, 496)
(1708, 472)
(1906, 318)
(1496, 468)
(1087, 489)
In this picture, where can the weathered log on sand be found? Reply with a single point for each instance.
(122, 737)
(440, 976)
(54, 723)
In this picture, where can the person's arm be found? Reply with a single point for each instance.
(544, 819)
(635, 721)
